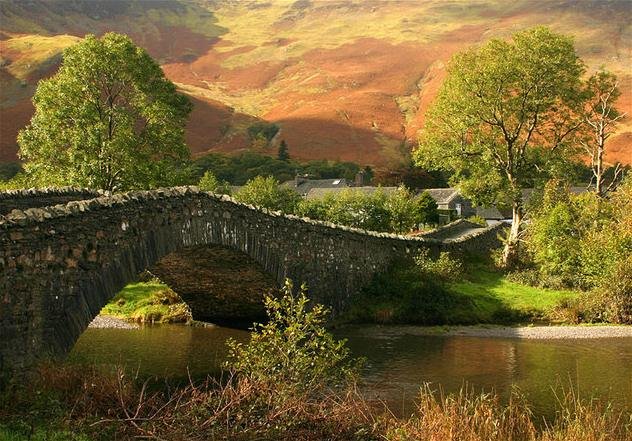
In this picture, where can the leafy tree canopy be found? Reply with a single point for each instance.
(267, 193)
(108, 119)
(505, 117)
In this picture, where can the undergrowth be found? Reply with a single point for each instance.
(292, 381)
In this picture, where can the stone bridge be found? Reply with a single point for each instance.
(60, 264)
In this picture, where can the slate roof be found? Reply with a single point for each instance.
(305, 185)
(442, 195)
(319, 193)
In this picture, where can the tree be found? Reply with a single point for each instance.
(267, 193)
(108, 119)
(504, 119)
(209, 182)
(601, 120)
(283, 154)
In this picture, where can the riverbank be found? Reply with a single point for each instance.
(553, 332)
(109, 322)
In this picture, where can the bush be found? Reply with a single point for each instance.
(209, 182)
(267, 193)
(580, 239)
(262, 130)
(444, 268)
(399, 212)
(293, 353)
(615, 295)
(419, 292)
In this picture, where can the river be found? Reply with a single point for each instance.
(398, 361)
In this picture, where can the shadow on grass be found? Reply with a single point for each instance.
(404, 295)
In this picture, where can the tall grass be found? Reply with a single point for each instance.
(93, 404)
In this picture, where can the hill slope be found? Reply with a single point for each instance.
(344, 79)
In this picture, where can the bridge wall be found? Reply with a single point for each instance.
(23, 199)
(60, 265)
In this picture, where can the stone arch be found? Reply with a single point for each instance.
(59, 265)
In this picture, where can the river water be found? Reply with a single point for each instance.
(398, 362)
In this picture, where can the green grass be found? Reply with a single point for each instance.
(483, 296)
(148, 302)
(40, 434)
(488, 289)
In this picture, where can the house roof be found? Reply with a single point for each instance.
(303, 186)
(319, 193)
(442, 195)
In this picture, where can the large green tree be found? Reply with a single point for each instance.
(108, 119)
(504, 118)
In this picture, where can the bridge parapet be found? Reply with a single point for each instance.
(59, 265)
(42, 197)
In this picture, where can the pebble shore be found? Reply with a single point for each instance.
(524, 332)
(106, 321)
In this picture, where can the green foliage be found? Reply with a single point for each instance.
(148, 302)
(398, 212)
(580, 239)
(498, 113)
(267, 193)
(241, 168)
(449, 291)
(283, 154)
(444, 268)
(209, 182)
(615, 294)
(262, 131)
(477, 220)
(293, 352)
(9, 170)
(108, 119)
(350, 207)
(505, 119)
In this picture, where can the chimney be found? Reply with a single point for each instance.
(298, 179)
(360, 179)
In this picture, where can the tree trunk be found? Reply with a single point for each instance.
(510, 253)
(601, 141)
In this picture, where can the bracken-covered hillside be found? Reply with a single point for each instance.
(344, 79)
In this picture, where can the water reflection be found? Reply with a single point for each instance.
(398, 363)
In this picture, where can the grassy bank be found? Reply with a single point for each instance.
(148, 302)
(469, 293)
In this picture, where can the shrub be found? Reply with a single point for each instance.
(293, 353)
(444, 268)
(262, 130)
(209, 182)
(399, 212)
(267, 193)
(580, 239)
(615, 295)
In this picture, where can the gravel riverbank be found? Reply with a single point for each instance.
(523, 332)
(106, 321)
(520, 332)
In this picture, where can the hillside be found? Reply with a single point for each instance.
(344, 79)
